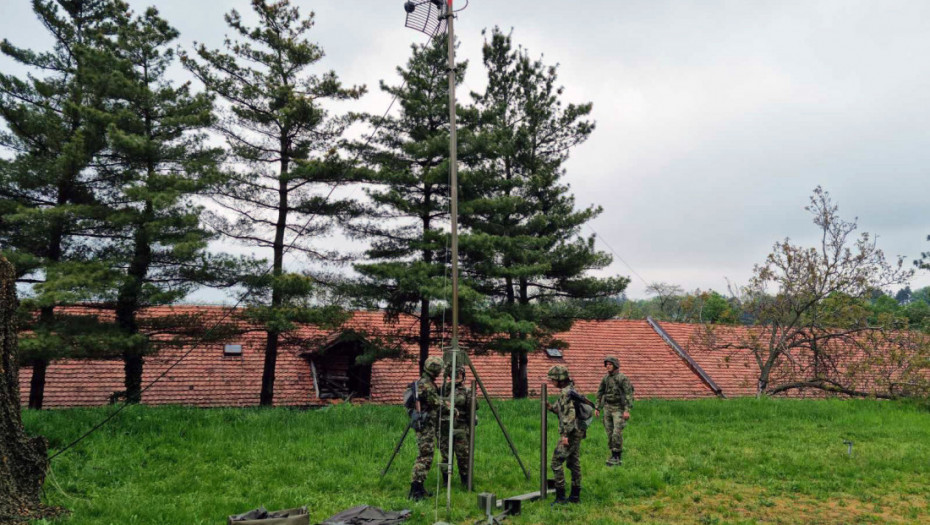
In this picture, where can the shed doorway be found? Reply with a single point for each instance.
(337, 374)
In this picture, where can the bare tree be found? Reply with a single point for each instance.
(812, 327)
(924, 262)
(669, 296)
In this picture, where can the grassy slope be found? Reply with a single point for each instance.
(704, 462)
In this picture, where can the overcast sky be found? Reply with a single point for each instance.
(715, 119)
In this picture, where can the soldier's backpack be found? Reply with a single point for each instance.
(410, 398)
(584, 410)
(417, 419)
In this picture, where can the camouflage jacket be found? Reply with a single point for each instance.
(615, 390)
(428, 396)
(564, 407)
(462, 397)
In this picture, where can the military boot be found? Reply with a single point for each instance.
(614, 460)
(464, 477)
(418, 491)
(559, 496)
(575, 496)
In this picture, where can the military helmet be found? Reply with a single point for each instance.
(558, 373)
(612, 360)
(433, 366)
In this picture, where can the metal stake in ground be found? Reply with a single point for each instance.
(472, 405)
(543, 445)
(448, 466)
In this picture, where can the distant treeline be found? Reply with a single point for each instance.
(672, 303)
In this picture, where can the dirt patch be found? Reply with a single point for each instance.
(44, 512)
(721, 503)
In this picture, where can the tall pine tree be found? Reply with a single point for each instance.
(56, 121)
(524, 252)
(408, 225)
(159, 164)
(283, 143)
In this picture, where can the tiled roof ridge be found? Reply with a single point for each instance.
(705, 377)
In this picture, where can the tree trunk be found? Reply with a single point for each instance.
(831, 388)
(266, 399)
(37, 383)
(129, 302)
(518, 365)
(24, 460)
(424, 333)
(427, 257)
(133, 363)
(519, 359)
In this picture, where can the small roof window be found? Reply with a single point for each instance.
(553, 352)
(232, 350)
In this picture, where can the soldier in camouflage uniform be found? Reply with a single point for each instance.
(429, 402)
(615, 399)
(460, 424)
(568, 449)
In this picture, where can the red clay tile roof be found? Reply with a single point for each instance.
(207, 377)
(652, 366)
(734, 371)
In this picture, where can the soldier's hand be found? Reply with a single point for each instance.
(626, 416)
(564, 441)
(549, 405)
(597, 413)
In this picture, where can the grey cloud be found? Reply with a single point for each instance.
(715, 118)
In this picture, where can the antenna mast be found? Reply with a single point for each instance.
(432, 17)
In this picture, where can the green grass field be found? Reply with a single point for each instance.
(702, 462)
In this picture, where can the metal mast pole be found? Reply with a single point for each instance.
(543, 446)
(453, 185)
(422, 17)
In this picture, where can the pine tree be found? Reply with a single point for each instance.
(284, 143)
(158, 162)
(524, 251)
(408, 157)
(56, 121)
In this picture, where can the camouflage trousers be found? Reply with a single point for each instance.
(614, 425)
(567, 454)
(426, 445)
(459, 447)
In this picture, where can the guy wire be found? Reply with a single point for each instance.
(617, 255)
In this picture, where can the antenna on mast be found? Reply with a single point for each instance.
(426, 16)
(433, 17)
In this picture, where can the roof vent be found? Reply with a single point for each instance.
(553, 352)
(232, 350)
